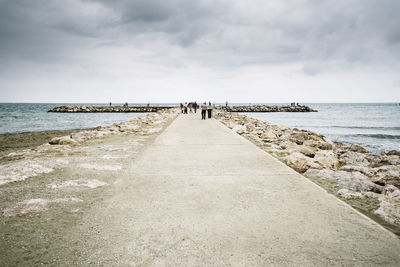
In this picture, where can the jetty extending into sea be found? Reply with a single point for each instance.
(108, 109)
(168, 189)
(145, 109)
(266, 108)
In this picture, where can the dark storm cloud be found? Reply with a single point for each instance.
(246, 32)
(223, 33)
(182, 22)
(48, 31)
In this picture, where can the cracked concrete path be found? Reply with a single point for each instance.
(201, 195)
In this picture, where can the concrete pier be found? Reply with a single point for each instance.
(201, 195)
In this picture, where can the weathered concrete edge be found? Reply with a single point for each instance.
(316, 185)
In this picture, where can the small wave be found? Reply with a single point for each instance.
(377, 136)
(351, 127)
(366, 127)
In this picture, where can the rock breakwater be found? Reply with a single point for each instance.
(97, 109)
(266, 108)
(349, 172)
(27, 163)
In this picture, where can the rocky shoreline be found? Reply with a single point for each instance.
(144, 109)
(19, 165)
(369, 182)
(118, 109)
(46, 192)
(266, 108)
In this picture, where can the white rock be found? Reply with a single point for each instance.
(64, 140)
(327, 159)
(300, 163)
(354, 181)
(240, 129)
(355, 158)
(364, 170)
(389, 210)
(348, 194)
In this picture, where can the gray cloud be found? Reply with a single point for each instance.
(319, 36)
(227, 31)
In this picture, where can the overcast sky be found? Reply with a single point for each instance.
(175, 50)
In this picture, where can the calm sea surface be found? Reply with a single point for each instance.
(19, 118)
(375, 126)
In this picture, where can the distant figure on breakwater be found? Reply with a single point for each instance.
(125, 105)
(294, 104)
(209, 110)
(110, 104)
(203, 110)
(195, 107)
(226, 104)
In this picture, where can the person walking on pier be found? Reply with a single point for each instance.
(203, 111)
(195, 107)
(209, 110)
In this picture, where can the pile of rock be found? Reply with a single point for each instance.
(145, 125)
(357, 173)
(265, 108)
(95, 109)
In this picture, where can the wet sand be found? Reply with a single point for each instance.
(14, 142)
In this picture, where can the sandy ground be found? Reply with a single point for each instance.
(40, 212)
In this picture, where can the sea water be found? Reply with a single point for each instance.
(33, 117)
(375, 126)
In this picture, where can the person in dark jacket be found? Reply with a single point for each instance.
(185, 107)
(203, 111)
(209, 110)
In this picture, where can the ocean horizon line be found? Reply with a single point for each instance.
(223, 102)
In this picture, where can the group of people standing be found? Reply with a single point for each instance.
(189, 107)
(206, 110)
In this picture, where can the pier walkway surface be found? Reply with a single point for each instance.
(201, 195)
